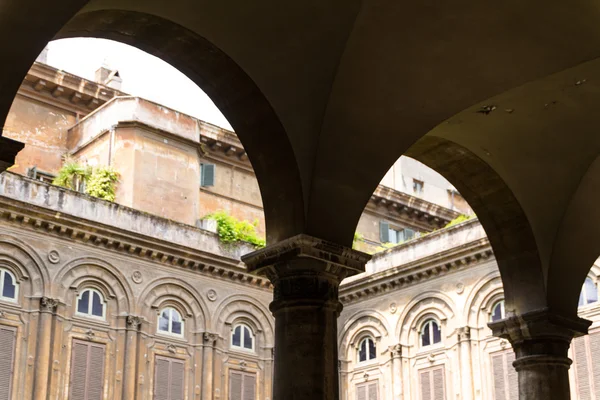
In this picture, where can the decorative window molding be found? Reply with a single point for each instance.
(90, 303)
(431, 333)
(9, 287)
(367, 350)
(242, 338)
(170, 322)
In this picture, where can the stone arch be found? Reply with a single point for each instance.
(96, 273)
(500, 214)
(176, 293)
(232, 91)
(362, 323)
(482, 297)
(26, 264)
(426, 305)
(240, 307)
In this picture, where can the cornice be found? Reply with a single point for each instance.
(417, 271)
(62, 226)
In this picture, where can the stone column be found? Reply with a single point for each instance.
(541, 341)
(306, 273)
(42, 363)
(130, 369)
(207, 365)
(466, 370)
(396, 355)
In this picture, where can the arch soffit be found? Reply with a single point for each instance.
(429, 304)
(176, 293)
(233, 92)
(486, 290)
(27, 263)
(243, 307)
(358, 324)
(101, 274)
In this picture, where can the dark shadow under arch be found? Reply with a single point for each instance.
(233, 92)
(500, 214)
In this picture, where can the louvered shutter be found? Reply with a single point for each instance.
(384, 232)
(425, 383)
(95, 374)
(594, 339)
(582, 372)
(161, 378)
(177, 380)
(249, 384)
(207, 175)
(373, 392)
(361, 392)
(7, 350)
(235, 385)
(511, 376)
(438, 384)
(499, 377)
(87, 371)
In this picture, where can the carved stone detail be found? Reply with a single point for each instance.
(393, 308)
(53, 256)
(210, 337)
(90, 334)
(133, 321)
(171, 349)
(243, 365)
(464, 333)
(396, 350)
(137, 277)
(211, 294)
(48, 305)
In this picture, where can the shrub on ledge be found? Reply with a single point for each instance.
(98, 181)
(231, 230)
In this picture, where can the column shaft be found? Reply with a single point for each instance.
(207, 366)
(466, 373)
(42, 362)
(130, 369)
(397, 371)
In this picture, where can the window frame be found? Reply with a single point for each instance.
(428, 324)
(242, 337)
(367, 350)
(418, 184)
(170, 332)
(3, 272)
(502, 310)
(203, 176)
(584, 294)
(90, 304)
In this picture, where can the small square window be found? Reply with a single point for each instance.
(207, 175)
(417, 186)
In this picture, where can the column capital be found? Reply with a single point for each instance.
(396, 351)
(211, 338)
(48, 304)
(540, 336)
(133, 322)
(464, 333)
(281, 257)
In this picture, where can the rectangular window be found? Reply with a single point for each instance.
(418, 186)
(504, 376)
(36, 174)
(207, 175)
(7, 359)
(87, 371)
(388, 234)
(367, 391)
(242, 385)
(431, 384)
(168, 379)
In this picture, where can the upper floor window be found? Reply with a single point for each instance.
(242, 338)
(589, 293)
(8, 286)
(389, 234)
(207, 175)
(91, 303)
(170, 321)
(430, 333)
(418, 186)
(367, 350)
(498, 311)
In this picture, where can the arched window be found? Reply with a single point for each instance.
(589, 293)
(431, 333)
(8, 286)
(170, 321)
(367, 350)
(498, 311)
(91, 303)
(242, 338)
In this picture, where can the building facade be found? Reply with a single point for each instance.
(135, 299)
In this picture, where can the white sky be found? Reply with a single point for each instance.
(143, 75)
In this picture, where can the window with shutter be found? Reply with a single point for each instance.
(582, 370)
(242, 385)
(87, 371)
(512, 376)
(373, 392)
(367, 391)
(361, 392)
(431, 382)
(207, 174)
(594, 340)
(169, 376)
(504, 376)
(7, 357)
(499, 377)
(384, 232)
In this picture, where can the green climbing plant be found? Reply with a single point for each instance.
(459, 219)
(97, 181)
(232, 230)
(72, 175)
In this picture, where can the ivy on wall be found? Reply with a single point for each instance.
(97, 181)
(231, 230)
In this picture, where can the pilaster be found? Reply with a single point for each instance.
(48, 308)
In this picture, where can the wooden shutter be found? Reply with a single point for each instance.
(7, 357)
(438, 384)
(235, 385)
(582, 370)
(425, 383)
(207, 175)
(504, 376)
(498, 375)
(372, 390)
(249, 384)
(169, 375)
(512, 376)
(242, 386)
(87, 371)
(384, 232)
(431, 382)
(594, 340)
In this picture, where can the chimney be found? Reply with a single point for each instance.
(108, 77)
